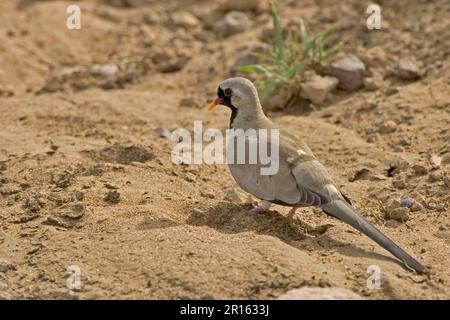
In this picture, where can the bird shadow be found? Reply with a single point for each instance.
(230, 218)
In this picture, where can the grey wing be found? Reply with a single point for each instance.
(300, 180)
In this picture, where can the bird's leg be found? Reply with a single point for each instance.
(265, 205)
(291, 214)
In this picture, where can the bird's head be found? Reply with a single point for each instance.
(237, 93)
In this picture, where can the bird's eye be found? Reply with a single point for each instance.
(228, 92)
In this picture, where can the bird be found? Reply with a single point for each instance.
(301, 180)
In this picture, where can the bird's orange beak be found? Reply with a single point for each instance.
(213, 104)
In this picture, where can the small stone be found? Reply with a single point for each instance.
(74, 211)
(62, 179)
(392, 223)
(163, 133)
(9, 190)
(372, 83)
(186, 20)
(374, 57)
(447, 181)
(391, 91)
(319, 89)
(112, 197)
(435, 160)
(106, 70)
(234, 196)
(250, 54)
(197, 213)
(349, 71)
(318, 293)
(208, 194)
(420, 169)
(416, 206)
(233, 22)
(5, 266)
(445, 159)
(407, 69)
(399, 182)
(435, 176)
(406, 202)
(387, 127)
(189, 177)
(2, 166)
(400, 214)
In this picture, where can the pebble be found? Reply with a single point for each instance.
(250, 54)
(406, 202)
(74, 211)
(233, 22)
(373, 83)
(435, 160)
(113, 196)
(420, 169)
(318, 90)
(407, 69)
(374, 57)
(5, 266)
(233, 195)
(105, 70)
(447, 181)
(163, 133)
(387, 127)
(349, 71)
(435, 176)
(445, 159)
(186, 20)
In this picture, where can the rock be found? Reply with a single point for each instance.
(9, 190)
(399, 182)
(189, 177)
(447, 181)
(319, 89)
(208, 194)
(392, 223)
(374, 57)
(400, 214)
(5, 266)
(391, 91)
(197, 213)
(312, 293)
(73, 211)
(105, 70)
(416, 206)
(235, 196)
(373, 83)
(436, 160)
(445, 159)
(435, 176)
(113, 196)
(62, 179)
(420, 169)
(361, 174)
(250, 54)
(349, 71)
(2, 166)
(407, 69)
(186, 20)
(163, 133)
(406, 202)
(387, 127)
(257, 6)
(233, 22)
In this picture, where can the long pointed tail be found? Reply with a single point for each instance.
(346, 213)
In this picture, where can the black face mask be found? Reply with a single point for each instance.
(226, 101)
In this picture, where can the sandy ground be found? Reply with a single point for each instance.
(85, 180)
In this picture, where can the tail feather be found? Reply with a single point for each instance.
(346, 213)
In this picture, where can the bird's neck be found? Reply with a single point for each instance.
(247, 118)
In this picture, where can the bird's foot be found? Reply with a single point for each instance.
(291, 213)
(264, 207)
(260, 209)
